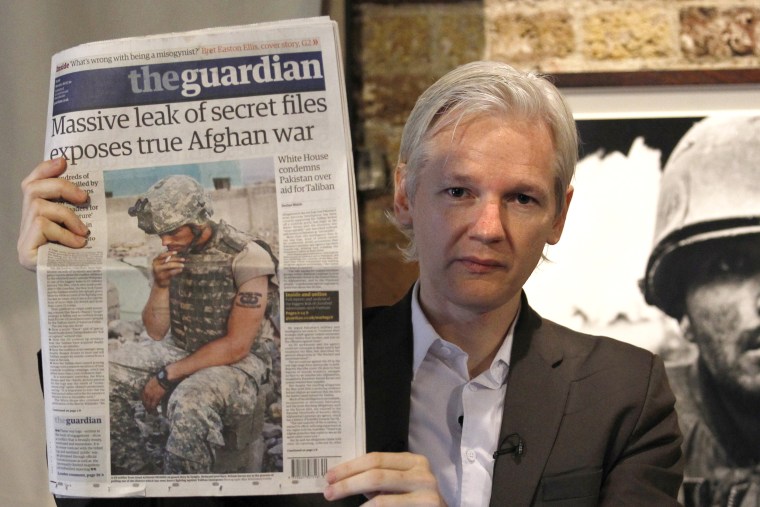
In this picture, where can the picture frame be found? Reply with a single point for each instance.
(711, 173)
(652, 100)
(658, 78)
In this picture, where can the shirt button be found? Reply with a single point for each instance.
(445, 351)
(472, 387)
(470, 454)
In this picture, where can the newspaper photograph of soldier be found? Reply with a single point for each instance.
(193, 311)
(677, 253)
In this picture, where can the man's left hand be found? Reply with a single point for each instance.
(152, 395)
(399, 479)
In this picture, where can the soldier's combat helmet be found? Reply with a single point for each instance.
(709, 193)
(171, 203)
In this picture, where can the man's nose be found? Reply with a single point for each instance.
(490, 221)
(165, 240)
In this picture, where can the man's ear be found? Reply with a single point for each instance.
(401, 207)
(559, 220)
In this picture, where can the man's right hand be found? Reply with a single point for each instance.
(165, 266)
(43, 220)
(399, 479)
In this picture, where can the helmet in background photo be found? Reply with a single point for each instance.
(709, 193)
(171, 203)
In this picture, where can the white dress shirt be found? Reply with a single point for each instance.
(461, 456)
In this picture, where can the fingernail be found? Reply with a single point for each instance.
(328, 493)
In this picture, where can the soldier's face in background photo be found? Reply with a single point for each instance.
(723, 308)
(179, 240)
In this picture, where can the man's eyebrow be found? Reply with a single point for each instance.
(461, 178)
(456, 178)
(530, 187)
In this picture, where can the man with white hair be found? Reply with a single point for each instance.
(473, 399)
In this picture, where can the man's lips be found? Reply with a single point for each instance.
(750, 340)
(481, 264)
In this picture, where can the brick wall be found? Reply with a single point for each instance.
(628, 35)
(397, 48)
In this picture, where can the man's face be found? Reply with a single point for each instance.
(179, 240)
(483, 210)
(723, 307)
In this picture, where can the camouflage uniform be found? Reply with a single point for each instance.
(722, 466)
(199, 407)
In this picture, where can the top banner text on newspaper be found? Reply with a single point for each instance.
(188, 80)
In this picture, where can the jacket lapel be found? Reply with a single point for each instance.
(388, 375)
(534, 404)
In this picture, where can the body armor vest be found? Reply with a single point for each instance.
(202, 295)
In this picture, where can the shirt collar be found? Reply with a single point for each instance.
(425, 336)
(422, 331)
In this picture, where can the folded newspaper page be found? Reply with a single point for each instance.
(207, 341)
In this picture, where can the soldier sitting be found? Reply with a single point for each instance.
(210, 293)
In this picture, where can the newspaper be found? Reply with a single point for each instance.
(245, 131)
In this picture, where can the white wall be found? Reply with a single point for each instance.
(30, 32)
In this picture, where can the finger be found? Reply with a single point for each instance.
(47, 169)
(171, 265)
(54, 212)
(169, 274)
(424, 498)
(369, 483)
(163, 275)
(149, 400)
(43, 231)
(398, 461)
(39, 189)
(381, 481)
(149, 406)
(164, 255)
(40, 212)
(167, 259)
(43, 182)
(383, 473)
(174, 259)
(162, 266)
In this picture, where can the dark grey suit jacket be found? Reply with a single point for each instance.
(595, 415)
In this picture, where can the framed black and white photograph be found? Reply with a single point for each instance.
(661, 249)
